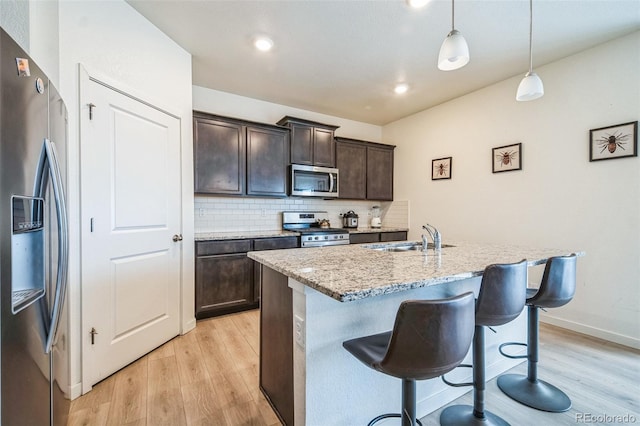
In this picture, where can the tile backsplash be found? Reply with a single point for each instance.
(220, 214)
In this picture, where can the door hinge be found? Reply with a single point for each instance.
(93, 333)
(91, 107)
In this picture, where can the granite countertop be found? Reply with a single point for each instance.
(353, 272)
(236, 235)
(367, 229)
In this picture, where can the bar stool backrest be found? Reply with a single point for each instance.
(503, 293)
(558, 283)
(429, 337)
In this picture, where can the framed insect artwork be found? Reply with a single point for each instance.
(507, 158)
(441, 168)
(617, 141)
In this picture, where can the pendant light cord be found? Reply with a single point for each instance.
(530, 36)
(453, 11)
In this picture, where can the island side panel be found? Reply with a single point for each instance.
(338, 389)
(276, 343)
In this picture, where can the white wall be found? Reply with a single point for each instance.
(230, 105)
(34, 26)
(111, 40)
(14, 19)
(44, 36)
(559, 199)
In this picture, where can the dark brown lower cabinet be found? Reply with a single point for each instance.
(369, 237)
(376, 237)
(393, 236)
(224, 284)
(276, 343)
(226, 279)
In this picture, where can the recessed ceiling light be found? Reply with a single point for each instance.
(263, 44)
(417, 4)
(401, 88)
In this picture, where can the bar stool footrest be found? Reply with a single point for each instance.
(539, 394)
(511, 344)
(458, 385)
(462, 415)
(386, 416)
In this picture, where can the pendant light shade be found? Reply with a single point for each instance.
(454, 52)
(531, 86)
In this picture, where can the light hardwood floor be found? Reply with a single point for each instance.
(210, 377)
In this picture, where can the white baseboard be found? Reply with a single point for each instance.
(592, 331)
(188, 326)
(75, 391)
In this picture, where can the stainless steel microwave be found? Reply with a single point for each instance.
(312, 181)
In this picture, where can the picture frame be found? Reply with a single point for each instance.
(507, 158)
(441, 168)
(611, 142)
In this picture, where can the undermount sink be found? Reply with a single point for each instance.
(399, 248)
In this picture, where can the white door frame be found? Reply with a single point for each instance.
(187, 275)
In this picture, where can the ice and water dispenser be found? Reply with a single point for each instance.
(27, 251)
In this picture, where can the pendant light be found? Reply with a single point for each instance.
(454, 52)
(530, 87)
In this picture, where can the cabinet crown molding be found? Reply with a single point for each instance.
(284, 121)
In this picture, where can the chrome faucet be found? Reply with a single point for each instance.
(435, 236)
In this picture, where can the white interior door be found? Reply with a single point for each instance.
(130, 189)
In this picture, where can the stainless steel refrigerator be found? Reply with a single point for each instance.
(33, 243)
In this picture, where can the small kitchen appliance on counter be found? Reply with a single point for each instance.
(312, 232)
(350, 219)
(376, 222)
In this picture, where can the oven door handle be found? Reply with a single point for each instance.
(331, 182)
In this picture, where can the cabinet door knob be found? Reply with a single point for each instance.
(177, 237)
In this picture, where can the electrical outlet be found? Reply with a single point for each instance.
(264, 212)
(201, 212)
(298, 330)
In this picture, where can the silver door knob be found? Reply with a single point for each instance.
(177, 237)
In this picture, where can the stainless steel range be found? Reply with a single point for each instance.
(310, 225)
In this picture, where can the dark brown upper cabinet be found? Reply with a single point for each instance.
(351, 161)
(237, 157)
(219, 153)
(267, 161)
(380, 172)
(366, 169)
(312, 143)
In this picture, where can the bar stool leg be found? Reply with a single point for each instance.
(530, 390)
(408, 406)
(408, 402)
(460, 415)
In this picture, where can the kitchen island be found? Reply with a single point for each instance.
(313, 299)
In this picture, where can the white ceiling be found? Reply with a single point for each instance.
(344, 57)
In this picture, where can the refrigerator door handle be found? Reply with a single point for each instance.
(48, 167)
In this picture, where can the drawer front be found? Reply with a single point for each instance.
(393, 236)
(373, 237)
(205, 248)
(275, 243)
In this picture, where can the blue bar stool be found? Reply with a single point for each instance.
(557, 288)
(501, 299)
(429, 338)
